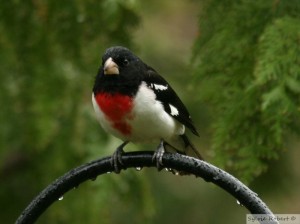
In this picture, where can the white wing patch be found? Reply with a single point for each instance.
(174, 110)
(159, 87)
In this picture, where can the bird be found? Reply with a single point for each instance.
(135, 104)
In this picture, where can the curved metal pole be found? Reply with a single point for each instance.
(199, 168)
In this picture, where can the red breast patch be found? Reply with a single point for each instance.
(117, 109)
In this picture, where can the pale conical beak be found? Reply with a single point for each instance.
(110, 67)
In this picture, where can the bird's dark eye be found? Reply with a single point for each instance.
(125, 62)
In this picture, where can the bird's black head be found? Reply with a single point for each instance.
(119, 61)
(120, 71)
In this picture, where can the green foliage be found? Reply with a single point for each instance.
(248, 67)
(50, 52)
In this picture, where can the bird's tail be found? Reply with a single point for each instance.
(184, 146)
(190, 149)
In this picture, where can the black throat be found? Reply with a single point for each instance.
(113, 84)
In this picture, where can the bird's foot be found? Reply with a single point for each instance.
(116, 159)
(158, 154)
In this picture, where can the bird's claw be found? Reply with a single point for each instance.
(116, 159)
(158, 154)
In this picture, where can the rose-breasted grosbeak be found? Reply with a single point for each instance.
(134, 103)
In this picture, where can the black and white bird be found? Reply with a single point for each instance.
(135, 104)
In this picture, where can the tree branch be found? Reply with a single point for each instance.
(175, 161)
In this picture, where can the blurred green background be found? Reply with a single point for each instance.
(235, 64)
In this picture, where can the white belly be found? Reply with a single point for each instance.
(148, 122)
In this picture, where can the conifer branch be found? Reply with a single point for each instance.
(174, 161)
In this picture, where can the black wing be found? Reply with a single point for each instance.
(171, 102)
